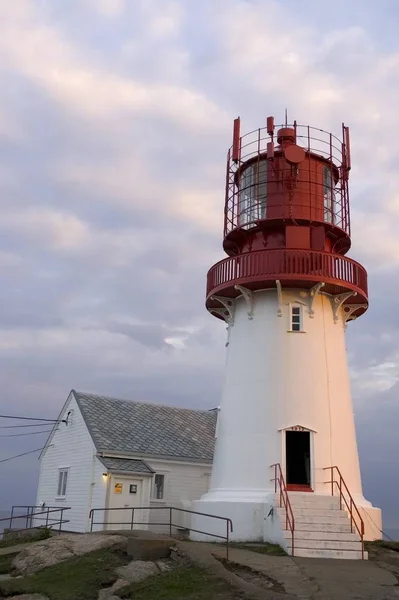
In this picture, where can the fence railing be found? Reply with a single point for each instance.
(280, 486)
(36, 516)
(345, 497)
(289, 264)
(171, 510)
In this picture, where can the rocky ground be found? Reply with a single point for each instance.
(97, 567)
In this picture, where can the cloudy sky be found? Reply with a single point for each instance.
(115, 118)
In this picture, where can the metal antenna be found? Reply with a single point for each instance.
(286, 117)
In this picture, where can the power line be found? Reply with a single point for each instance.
(33, 425)
(21, 434)
(23, 454)
(28, 418)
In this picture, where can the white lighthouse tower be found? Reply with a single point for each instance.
(286, 292)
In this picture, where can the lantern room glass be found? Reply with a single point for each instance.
(252, 194)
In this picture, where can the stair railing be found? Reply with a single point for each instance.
(284, 501)
(345, 497)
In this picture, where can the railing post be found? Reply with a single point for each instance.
(47, 517)
(91, 517)
(132, 520)
(227, 540)
(61, 520)
(340, 493)
(351, 515)
(332, 481)
(11, 517)
(275, 478)
(170, 521)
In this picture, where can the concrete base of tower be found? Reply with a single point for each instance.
(253, 520)
(372, 518)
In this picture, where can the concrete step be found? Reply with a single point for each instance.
(342, 527)
(313, 500)
(342, 554)
(325, 544)
(322, 535)
(318, 512)
(308, 516)
(323, 504)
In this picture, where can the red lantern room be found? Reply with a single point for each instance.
(287, 217)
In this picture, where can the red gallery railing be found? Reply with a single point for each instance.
(283, 264)
(345, 497)
(284, 501)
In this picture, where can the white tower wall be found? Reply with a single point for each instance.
(277, 379)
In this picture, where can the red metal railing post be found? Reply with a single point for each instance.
(170, 521)
(340, 492)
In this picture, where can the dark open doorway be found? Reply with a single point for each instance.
(297, 456)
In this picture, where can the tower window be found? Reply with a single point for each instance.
(329, 195)
(252, 194)
(296, 318)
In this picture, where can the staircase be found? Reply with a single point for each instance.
(322, 529)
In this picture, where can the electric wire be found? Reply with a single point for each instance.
(28, 418)
(3, 460)
(8, 435)
(33, 425)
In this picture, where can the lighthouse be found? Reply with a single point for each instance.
(286, 466)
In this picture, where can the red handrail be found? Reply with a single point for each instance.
(284, 500)
(351, 506)
(287, 264)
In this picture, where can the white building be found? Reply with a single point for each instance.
(109, 453)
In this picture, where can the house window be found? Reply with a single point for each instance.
(158, 487)
(296, 318)
(62, 482)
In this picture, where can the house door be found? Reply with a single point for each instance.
(125, 494)
(297, 457)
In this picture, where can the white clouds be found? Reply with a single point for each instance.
(109, 8)
(114, 124)
(375, 379)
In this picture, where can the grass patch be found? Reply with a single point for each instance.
(270, 549)
(189, 583)
(42, 534)
(382, 544)
(79, 578)
(5, 563)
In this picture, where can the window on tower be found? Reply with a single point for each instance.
(329, 195)
(296, 317)
(252, 194)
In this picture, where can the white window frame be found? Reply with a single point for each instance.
(291, 307)
(153, 497)
(62, 482)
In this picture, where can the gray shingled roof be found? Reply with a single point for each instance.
(129, 465)
(148, 429)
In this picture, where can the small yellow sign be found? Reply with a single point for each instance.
(118, 488)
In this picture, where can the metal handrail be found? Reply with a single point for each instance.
(41, 515)
(351, 506)
(284, 499)
(132, 522)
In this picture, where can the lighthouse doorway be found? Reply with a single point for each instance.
(297, 457)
